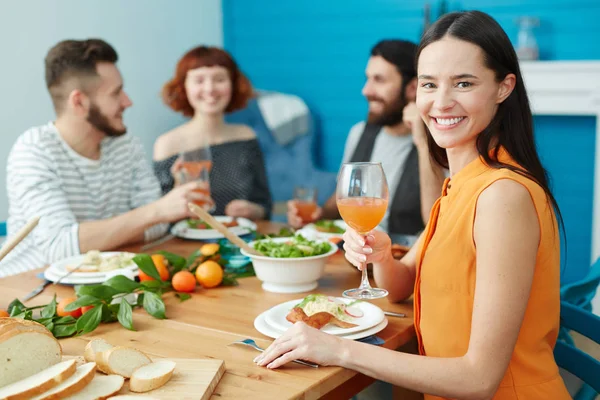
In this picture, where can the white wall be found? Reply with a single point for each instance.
(149, 36)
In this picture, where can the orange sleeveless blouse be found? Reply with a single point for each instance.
(445, 285)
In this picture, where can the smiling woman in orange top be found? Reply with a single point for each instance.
(485, 273)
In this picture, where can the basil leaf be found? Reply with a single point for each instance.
(152, 284)
(64, 330)
(154, 305)
(50, 309)
(64, 320)
(183, 296)
(125, 315)
(145, 263)
(192, 258)
(16, 303)
(49, 325)
(101, 292)
(122, 284)
(176, 262)
(89, 321)
(85, 300)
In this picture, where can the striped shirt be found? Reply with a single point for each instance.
(47, 178)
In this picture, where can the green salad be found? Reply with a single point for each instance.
(298, 246)
(328, 226)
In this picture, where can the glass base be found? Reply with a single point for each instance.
(365, 294)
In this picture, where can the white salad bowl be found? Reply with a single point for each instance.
(289, 275)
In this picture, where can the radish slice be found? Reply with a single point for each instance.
(354, 312)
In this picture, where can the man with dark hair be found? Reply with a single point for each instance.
(89, 182)
(395, 135)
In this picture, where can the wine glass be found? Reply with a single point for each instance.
(362, 199)
(195, 166)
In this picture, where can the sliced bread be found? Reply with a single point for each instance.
(24, 353)
(100, 388)
(132, 397)
(95, 346)
(151, 376)
(38, 383)
(81, 378)
(121, 360)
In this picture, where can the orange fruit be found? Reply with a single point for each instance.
(209, 274)
(209, 249)
(85, 309)
(60, 308)
(160, 262)
(184, 281)
(4, 313)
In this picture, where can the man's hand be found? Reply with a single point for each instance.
(173, 206)
(412, 119)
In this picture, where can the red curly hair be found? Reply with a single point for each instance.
(173, 92)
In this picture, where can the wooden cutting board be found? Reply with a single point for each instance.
(193, 379)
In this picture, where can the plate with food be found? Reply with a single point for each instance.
(94, 264)
(261, 325)
(325, 228)
(197, 229)
(334, 315)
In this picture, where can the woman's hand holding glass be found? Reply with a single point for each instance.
(375, 247)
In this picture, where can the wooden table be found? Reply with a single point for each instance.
(213, 318)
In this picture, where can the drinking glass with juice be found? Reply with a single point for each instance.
(306, 202)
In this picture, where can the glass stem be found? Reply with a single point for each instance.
(364, 281)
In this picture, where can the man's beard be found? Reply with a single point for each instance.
(100, 122)
(392, 112)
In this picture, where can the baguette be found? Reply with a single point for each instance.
(95, 346)
(38, 383)
(122, 360)
(151, 376)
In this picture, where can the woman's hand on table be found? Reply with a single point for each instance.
(301, 342)
(360, 250)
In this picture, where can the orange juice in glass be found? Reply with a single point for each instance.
(362, 214)
(196, 166)
(362, 198)
(306, 202)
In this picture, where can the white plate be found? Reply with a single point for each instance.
(70, 280)
(182, 230)
(263, 327)
(312, 232)
(372, 316)
(59, 268)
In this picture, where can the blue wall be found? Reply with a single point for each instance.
(318, 51)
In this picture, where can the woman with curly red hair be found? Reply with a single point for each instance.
(207, 85)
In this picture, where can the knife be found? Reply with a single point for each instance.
(46, 282)
(394, 314)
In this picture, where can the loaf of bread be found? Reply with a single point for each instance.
(38, 383)
(26, 348)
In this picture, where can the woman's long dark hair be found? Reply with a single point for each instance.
(512, 126)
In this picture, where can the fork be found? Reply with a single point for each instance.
(252, 343)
